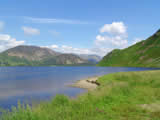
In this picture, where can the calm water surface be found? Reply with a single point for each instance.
(26, 84)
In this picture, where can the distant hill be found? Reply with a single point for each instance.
(143, 54)
(37, 56)
(91, 58)
(65, 59)
(31, 52)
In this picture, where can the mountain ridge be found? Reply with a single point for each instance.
(24, 55)
(31, 52)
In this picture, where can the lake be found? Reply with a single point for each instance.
(27, 84)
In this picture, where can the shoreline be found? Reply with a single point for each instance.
(89, 83)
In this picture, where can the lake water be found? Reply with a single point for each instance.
(26, 84)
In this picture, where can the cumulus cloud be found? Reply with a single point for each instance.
(115, 37)
(1, 25)
(116, 41)
(6, 42)
(30, 31)
(116, 28)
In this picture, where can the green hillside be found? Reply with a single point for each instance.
(143, 54)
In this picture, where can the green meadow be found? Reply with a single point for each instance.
(120, 96)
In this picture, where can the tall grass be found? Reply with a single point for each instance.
(120, 97)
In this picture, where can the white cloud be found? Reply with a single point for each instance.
(1, 25)
(101, 51)
(116, 41)
(4, 37)
(54, 46)
(116, 28)
(30, 31)
(115, 37)
(69, 49)
(100, 39)
(53, 20)
(6, 42)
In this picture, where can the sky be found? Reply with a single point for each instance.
(77, 26)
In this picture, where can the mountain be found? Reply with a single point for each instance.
(31, 52)
(142, 54)
(91, 58)
(37, 56)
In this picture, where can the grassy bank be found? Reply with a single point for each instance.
(121, 96)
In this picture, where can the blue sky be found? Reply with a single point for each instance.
(78, 26)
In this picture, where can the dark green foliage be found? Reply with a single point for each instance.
(143, 54)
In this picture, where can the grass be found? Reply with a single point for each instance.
(121, 96)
